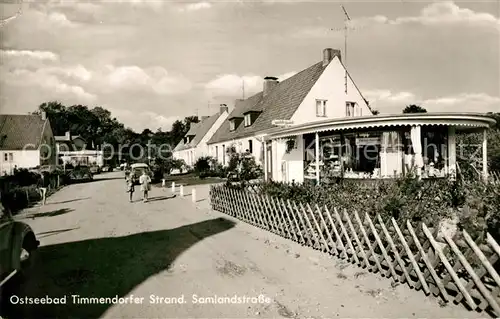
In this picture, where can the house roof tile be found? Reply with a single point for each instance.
(18, 131)
(199, 130)
(280, 104)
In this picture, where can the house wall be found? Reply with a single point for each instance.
(288, 167)
(241, 146)
(21, 159)
(331, 87)
(186, 155)
(48, 149)
(203, 149)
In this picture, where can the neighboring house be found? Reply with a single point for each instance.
(194, 144)
(26, 141)
(74, 150)
(322, 91)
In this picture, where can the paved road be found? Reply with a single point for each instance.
(96, 244)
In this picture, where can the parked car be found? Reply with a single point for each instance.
(107, 169)
(18, 247)
(81, 173)
(138, 168)
(95, 169)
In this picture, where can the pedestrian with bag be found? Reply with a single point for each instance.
(145, 182)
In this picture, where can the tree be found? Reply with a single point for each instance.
(413, 108)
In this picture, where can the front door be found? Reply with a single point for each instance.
(269, 168)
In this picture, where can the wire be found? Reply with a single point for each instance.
(17, 14)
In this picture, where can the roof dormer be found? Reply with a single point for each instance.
(234, 122)
(250, 117)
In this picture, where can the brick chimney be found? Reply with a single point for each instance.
(329, 54)
(223, 108)
(270, 82)
(43, 115)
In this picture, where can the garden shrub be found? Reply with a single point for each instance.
(242, 167)
(202, 167)
(476, 204)
(21, 189)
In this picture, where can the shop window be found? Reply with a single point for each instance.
(321, 108)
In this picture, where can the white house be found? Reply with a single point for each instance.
(322, 91)
(26, 141)
(194, 144)
(74, 150)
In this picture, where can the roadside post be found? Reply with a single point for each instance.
(181, 191)
(173, 187)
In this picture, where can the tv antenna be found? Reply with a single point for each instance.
(345, 29)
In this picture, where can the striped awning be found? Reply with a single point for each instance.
(462, 121)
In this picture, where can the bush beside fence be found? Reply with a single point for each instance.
(455, 268)
(19, 191)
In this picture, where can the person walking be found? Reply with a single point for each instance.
(145, 182)
(130, 187)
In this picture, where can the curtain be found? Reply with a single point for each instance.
(416, 142)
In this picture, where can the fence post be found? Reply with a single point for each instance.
(58, 182)
(27, 196)
(163, 183)
(193, 195)
(173, 187)
(181, 191)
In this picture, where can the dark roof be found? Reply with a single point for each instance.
(17, 131)
(280, 104)
(193, 128)
(199, 131)
(64, 138)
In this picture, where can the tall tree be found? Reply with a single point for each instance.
(413, 108)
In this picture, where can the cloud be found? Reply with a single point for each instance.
(155, 79)
(231, 85)
(438, 13)
(27, 54)
(49, 19)
(196, 6)
(389, 102)
(138, 121)
(78, 72)
(46, 80)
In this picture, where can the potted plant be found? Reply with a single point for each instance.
(290, 145)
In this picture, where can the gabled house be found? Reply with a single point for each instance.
(322, 91)
(26, 141)
(194, 143)
(76, 151)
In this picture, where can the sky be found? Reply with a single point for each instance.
(152, 62)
